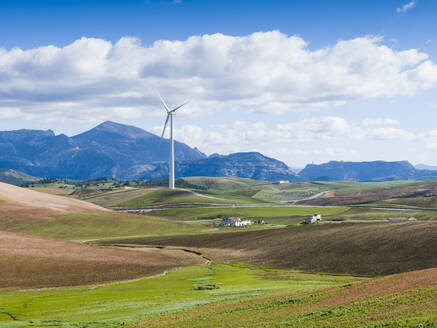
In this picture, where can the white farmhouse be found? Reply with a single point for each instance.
(313, 218)
(235, 222)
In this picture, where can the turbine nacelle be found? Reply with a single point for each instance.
(170, 112)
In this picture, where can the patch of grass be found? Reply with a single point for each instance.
(348, 187)
(368, 214)
(131, 302)
(94, 224)
(227, 183)
(413, 308)
(249, 212)
(114, 197)
(420, 202)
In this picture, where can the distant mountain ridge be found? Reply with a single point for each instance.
(108, 150)
(252, 165)
(364, 171)
(121, 151)
(426, 167)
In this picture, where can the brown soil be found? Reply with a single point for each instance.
(371, 196)
(366, 249)
(30, 262)
(26, 198)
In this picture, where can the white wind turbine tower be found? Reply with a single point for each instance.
(170, 114)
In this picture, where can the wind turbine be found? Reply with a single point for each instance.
(170, 114)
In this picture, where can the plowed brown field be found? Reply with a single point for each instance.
(29, 262)
(368, 249)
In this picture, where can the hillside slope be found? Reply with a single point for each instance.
(28, 261)
(368, 249)
(374, 195)
(31, 212)
(21, 197)
(15, 177)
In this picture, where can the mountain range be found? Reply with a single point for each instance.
(365, 171)
(120, 151)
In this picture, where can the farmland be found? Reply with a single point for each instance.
(131, 302)
(34, 262)
(173, 267)
(251, 212)
(346, 248)
(405, 300)
(251, 296)
(178, 196)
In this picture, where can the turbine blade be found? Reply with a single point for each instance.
(163, 130)
(163, 102)
(165, 125)
(175, 109)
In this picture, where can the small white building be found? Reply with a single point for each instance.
(313, 218)
(281, 182)
(235, 222)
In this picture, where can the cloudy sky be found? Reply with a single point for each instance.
(301, 81)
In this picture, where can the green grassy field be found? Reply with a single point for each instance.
(165, 196)
(368, 214)
(91, 225)
(227, 183)
(421, 202)
(413, 308)
(249, 212)
(346, 187)
(291, 191)
(148, 299)
(245, 297)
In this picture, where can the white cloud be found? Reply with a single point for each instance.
(10, 113)
(432, 146)
(379, 121)
(310, 129)
(92, 79)
(406, 7)
(393, 134)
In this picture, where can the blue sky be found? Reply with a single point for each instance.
(377, 99)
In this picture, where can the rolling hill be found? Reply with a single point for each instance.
(16, 197)
(29, 261)
(366, 249)
(375, 194)
(15, 177)
(32, 212)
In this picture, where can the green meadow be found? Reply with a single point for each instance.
(165, 196)
(121, 303)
